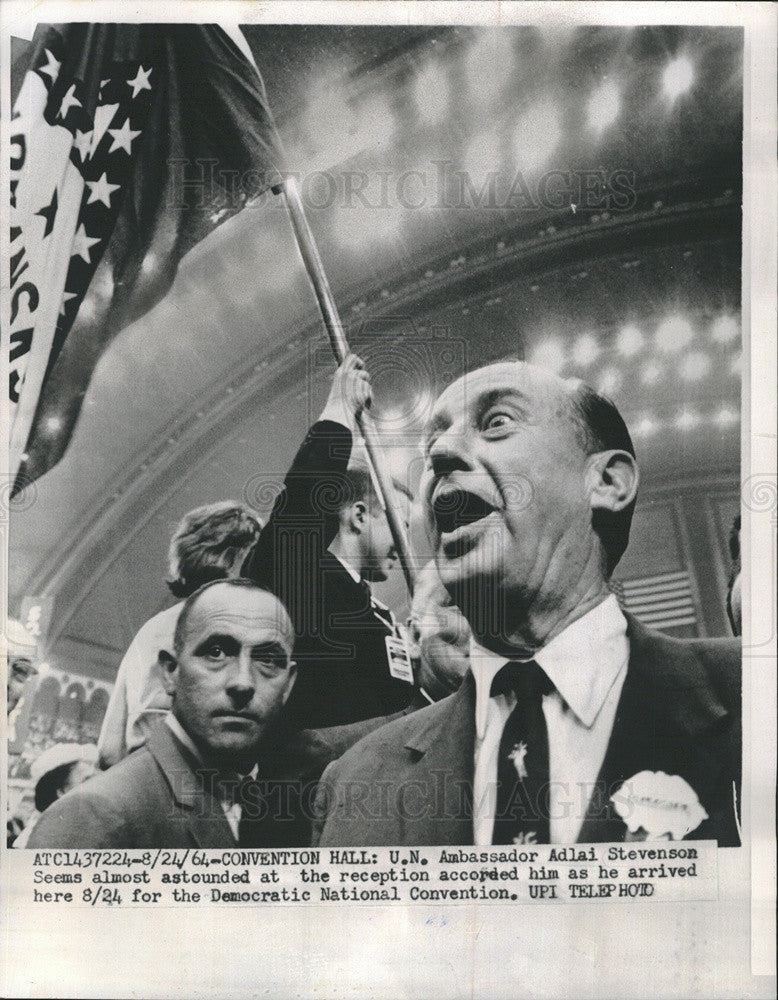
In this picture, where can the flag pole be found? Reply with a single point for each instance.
(329, 312)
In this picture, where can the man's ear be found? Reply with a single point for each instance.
(357, 516)
(168, 666)
(613, 480)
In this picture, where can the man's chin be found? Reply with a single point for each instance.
(233, 750)
(473, 586)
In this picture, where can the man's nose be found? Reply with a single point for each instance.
(450, 452)
(241, 683)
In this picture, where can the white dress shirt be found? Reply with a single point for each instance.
(232, 810)
(587, 664)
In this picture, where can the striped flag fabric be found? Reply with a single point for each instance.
(663, 601)
(129, 144)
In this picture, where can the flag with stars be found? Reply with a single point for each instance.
(129, 144)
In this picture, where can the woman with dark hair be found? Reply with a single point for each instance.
(210, 543)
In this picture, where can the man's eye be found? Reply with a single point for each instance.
(215, 651)
(269, 665)
(497, 420)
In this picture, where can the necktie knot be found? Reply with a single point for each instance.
(527, 680)
(235, 789)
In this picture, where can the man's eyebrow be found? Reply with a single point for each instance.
(492, 396)
(222, 638)
(269, 646)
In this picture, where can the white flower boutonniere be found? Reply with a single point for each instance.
(658, 806)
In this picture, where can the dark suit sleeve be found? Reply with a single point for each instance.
(723, 659)
(80, 820)
(298, 529)
(323, 802)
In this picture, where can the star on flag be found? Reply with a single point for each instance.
(83, 142)
(122, 137)
(51, 69)
(141, 81)
(67, 296)
(82, 243)
(101, 190)
(69, 101)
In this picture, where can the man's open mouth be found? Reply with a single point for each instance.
(455, 508)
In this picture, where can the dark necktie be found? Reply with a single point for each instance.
(521, 815)
(249, 795)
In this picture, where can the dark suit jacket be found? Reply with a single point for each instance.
(342, 665)
(410, 783)
(159, 796)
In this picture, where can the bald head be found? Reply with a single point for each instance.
(269, 608)
(523, 469)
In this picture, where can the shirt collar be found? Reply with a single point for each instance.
(349, 569)
(181, 734)
(358, 579)
(582, 663)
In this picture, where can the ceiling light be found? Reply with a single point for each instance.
(650, 373)
(53, 424)
(725, 329)
(604, 106)
(629, 341)
(677, 77)
(726, 416)
(610, 381)
(585, 350)
(673, 334)
(694, 366)
(687, 419)
(645, 427)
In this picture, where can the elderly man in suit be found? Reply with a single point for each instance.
(575, 723)
(197, 782)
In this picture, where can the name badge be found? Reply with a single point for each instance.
(399, 659)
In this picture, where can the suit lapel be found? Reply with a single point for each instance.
(442, 759)
(189, 783)
(667, 720)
